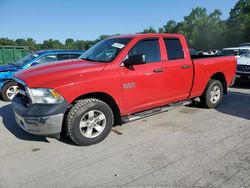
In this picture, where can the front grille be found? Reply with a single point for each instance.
(243, 68)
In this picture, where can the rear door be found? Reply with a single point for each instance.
(143, 86)
(179, 70)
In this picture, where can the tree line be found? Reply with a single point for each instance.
(203, 31)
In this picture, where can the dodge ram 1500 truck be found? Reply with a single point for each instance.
(120, 79)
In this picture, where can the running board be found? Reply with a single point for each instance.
(147, 113)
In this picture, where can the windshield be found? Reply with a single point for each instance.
(247, 55)
(105, 50)
(27, 59)
(243, 52)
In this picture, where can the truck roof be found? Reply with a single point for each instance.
(149, 35)
(58, 51)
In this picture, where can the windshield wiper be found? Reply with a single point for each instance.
(87, 59)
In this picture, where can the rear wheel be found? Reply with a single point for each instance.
(213, 94)
(89, 121)
(9, 91)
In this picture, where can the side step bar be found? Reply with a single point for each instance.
(147, 113)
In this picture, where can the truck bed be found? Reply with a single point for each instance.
(204, 65)
(205, 56)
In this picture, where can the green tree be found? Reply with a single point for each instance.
(31, 43)
(239, 23)
(52, 44)
(149, 30)
(70, 43)
(203, 31)
(170, 27)
(20, 42)
(7, 42)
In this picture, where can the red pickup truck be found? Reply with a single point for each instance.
(118, 80)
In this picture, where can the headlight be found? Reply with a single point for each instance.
(45, 96)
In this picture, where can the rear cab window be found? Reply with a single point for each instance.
(148, 47)
(174, 48)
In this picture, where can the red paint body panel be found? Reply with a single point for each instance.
(149, 89)
(205, 68)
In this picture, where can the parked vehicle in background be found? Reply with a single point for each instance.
(11, 54)
(245, 44)
(210, 52)
(120, 79)
(9, 87)
(236, 51)
(243, 68)
(194, 52)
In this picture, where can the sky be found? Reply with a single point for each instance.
(88, 19)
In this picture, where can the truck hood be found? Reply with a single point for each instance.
(58, 74)
(8, 67)
(243, 61)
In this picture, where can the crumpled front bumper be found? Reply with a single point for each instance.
(47, 126)
(40, 119)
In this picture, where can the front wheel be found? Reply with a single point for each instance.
(9, 91)
(89, 121)
(213, 94)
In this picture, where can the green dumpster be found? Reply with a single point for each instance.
(11, 54)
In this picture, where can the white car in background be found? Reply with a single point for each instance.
(236, 51)
(243, 68)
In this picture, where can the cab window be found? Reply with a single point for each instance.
(174, 48)
(149, 47)
(47, 58)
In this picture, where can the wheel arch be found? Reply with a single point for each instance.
(220, 77)
(108, 99)
(4, 82)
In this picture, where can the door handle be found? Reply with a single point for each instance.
(185, 67)
(158, 70)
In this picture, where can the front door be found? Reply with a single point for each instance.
(143, 86)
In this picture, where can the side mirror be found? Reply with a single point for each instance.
(134, 60)
(34, 63)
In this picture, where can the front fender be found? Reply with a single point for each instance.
(5, 77)
(2, 83)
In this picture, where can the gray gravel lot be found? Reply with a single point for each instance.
(185, 147)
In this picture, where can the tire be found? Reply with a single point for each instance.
(89, 116)
(9, 90)
(213, 94)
